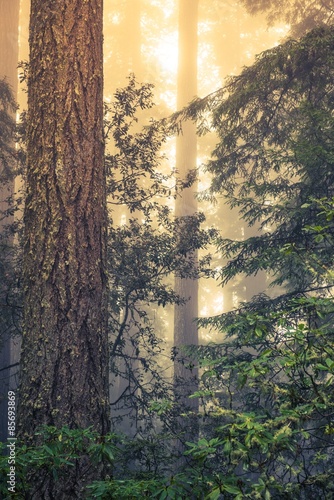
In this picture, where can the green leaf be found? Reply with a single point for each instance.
(48, 450)
(214, 494)
(329, 363)
(232, 489)
(258, 332)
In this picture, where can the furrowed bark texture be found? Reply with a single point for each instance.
(64, 370)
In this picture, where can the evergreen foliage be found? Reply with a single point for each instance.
(268, 388)
(301, 16)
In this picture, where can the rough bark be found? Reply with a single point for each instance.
(9, 23)
(64, 367)
(185, 328)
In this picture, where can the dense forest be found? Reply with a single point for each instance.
(166, 249)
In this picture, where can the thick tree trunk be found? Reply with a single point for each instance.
(64, 367)
(185, 328)
(9, 352)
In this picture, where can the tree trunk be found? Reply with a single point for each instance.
(64, 367)
(9, 24)
(132, 42)
(185, 328)
(123, 385)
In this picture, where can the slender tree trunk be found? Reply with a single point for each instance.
(123, 386)
(64, 367)
(185, 328)
(132, 32)
(9, 24)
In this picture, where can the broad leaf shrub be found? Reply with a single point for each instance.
(145, 250)
(268, 390)
(58, 451)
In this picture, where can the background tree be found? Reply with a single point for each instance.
(185, 327)
(64, 364)
(143, 254)
(301, 17)
(9, 29)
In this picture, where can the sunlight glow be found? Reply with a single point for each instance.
(166, 53)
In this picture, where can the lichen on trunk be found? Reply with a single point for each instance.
(64, 372)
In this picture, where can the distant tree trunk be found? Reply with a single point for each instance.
(133, 37)
(125, 49)
(123, 385)
(64, 364)
(9, 25)
(185, 328)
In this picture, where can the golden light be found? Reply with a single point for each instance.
(166, 53)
